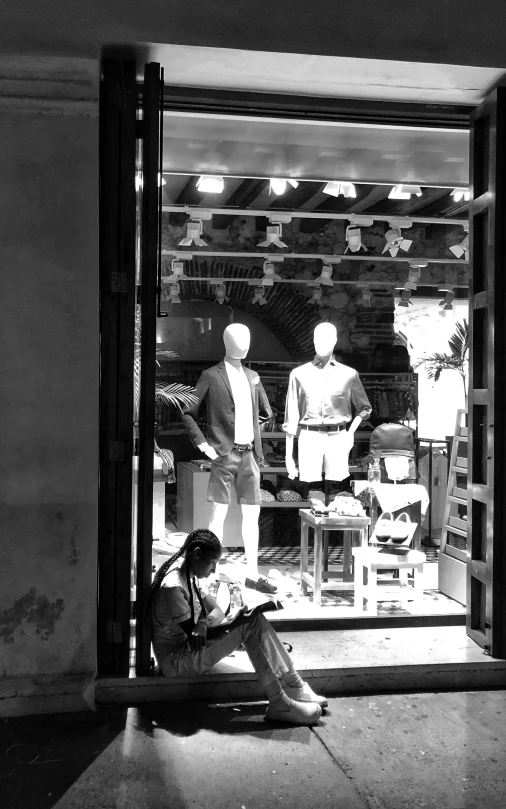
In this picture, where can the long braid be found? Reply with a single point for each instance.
(200, 538)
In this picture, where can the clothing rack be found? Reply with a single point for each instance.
(431, 442)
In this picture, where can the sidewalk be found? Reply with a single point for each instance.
(400, 751)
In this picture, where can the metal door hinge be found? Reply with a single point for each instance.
(117, 451)
(114, 632)
(118, 282)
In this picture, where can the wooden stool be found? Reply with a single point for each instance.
(342, 579)
(369, 560)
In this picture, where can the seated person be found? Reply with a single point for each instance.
(187, 640)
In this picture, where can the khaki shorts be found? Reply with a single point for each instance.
(239, 470)
(324, 452)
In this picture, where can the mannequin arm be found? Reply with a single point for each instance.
(355, 424)
(190, 413)
(290, 463)
(208, 450)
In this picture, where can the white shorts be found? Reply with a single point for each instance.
(319, 452)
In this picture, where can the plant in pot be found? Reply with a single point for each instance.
(175, 394)
(456, 360)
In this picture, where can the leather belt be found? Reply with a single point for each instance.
(243, 447)
(323, 428)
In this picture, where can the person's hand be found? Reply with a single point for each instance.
(291, 468)
(198, 637)
(208, 450)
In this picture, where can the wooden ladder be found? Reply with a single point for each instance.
(456, 495)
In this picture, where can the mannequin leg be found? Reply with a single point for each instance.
(218, 516)
(250, 516)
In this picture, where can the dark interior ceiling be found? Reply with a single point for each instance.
(241, 194)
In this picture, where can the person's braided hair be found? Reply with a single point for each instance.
(200, 538)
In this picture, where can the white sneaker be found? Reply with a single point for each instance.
(305, 694)
(299, 713)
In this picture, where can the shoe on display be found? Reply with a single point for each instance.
(401, 528)
(305, 694)
(383, 530)
(299, 713)
(262, 585)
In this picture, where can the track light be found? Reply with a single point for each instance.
(461, 249)
(269, 274)
(177, 271)
(394, 238)
(193, 234)
(275, 230)
(221, 294)
(460, 194)
(365, 299)
(259, 296)
(405, 191)
(316, 298)
(209, 184)
(325, 277)
(405, 298)
(354, 233)
(278, 187)
(174, 294)
(447, 302)
(337, 189)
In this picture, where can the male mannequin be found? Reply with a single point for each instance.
(318, 410)
(236, 404)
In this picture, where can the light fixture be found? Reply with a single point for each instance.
(259, 296)
(405, 298)
(209, 184)
(405, 191)
(394, 238)
(270, 275)
(449, 295)
(325, 277)
(462, 249)
(316, 298)
(365, 299)
(221, 294)
(174, 294)
(278, 187)
(178, 272)
(460, 194)
(275, 230)
(193, 234)
(337, 188)
(354, 233)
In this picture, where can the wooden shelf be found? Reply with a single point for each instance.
(289, 504)
(272, 470)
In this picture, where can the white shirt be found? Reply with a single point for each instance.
(243, 402)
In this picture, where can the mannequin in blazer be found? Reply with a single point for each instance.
(236, 406)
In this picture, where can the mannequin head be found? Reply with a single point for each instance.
(325, 338)
(237, 339)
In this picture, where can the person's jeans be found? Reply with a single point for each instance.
(265, 650)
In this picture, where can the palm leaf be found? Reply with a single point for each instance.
(459, 342)
(175, 394)
(166, 355)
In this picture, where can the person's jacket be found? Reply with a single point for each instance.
(213, 386)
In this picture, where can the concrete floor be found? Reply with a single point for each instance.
(368, 752)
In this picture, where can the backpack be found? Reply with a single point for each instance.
(393, 439)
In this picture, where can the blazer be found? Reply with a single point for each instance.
(213, 386)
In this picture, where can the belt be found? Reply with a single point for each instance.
(242, 447)
(324, 428)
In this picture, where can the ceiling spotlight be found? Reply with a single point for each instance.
(269, 274)
(209, 184)
(394, 238)
(405, 191)
(221, 294)
(174, 294)
(413, 277)
(405, 298)
(275, 230)
(337, 189)
(365, 299)
(193, 234)
(177, 271)
(460, 194)
(447, 302)
(278, 187)
(325, 277)
(316, 298)
(461, 249)
(259, 296)
(354, 239)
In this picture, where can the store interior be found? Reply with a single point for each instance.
(282, 225)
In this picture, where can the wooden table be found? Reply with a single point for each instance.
(356, 533)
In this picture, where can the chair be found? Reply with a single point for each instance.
(368, 560)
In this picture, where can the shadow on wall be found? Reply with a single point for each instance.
(194, 330)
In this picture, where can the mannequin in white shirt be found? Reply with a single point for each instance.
(237, 342)
(325, 339)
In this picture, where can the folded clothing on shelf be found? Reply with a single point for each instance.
(267, 497)
(287, 496)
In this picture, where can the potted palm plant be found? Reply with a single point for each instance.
(456, 360)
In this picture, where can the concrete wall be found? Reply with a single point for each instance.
(48, 384)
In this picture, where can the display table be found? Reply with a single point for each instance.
(367, 562)
(194, 509)
(356, 532)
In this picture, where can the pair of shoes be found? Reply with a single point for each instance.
(397, 530)
(262, 585)
(299, 713)
(305, 694)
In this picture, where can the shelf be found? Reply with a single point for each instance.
(272, 470)
(290, 504)
(266, 435)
